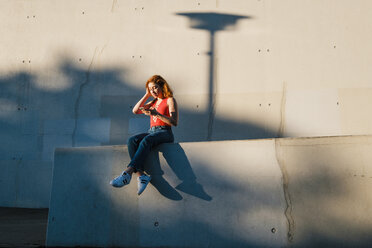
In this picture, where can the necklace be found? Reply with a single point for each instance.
(158, 103)
(155, 118)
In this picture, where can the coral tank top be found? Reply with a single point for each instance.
(163, 109)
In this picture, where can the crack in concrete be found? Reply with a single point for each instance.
(282, 111)
(114, 3)
(80, 93)
(287, 196)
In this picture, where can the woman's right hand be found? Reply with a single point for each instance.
(137, 109)
(148, 93)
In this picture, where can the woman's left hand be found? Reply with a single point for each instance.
(150, 111)
(153, 112)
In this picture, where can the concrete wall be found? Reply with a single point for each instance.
(301, 192)
(70, 71)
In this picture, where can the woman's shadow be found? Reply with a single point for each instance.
(178, 162)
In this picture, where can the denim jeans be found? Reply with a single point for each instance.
(140, 145)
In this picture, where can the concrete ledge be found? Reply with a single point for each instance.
(261, 193)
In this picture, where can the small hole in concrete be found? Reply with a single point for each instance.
(83, 12)
(260, 104)
(273, 230)
(259, 50)
(268, 50)
(197, 106)
(156, 224)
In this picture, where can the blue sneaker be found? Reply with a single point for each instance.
(121, 180)
(142, 182)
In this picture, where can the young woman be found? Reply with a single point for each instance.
(163, 114)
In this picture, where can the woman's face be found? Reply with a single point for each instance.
(155, 90)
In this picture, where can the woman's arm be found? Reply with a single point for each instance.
(173, 111)
(141, 103)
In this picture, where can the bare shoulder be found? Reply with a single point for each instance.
(171, 100)
(172, 104)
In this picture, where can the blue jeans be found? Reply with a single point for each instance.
(140, 145)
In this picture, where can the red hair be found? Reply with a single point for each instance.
(159, 80)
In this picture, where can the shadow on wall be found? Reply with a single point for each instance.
(195, 124)
(177, 160)
(34, 119)
(212, 22)
(90, 107)
(78, 104)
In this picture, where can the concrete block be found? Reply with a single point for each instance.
(89, 190)
(232, 197)
(262, 193)
(329, 182)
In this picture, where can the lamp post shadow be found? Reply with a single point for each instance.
(213, 23)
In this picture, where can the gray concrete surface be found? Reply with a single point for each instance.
(71, 70)
(300, 192)
(20, 227)
(193, 200)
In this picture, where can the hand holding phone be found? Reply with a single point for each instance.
(145, 111)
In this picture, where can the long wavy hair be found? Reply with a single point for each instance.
(159, 80)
